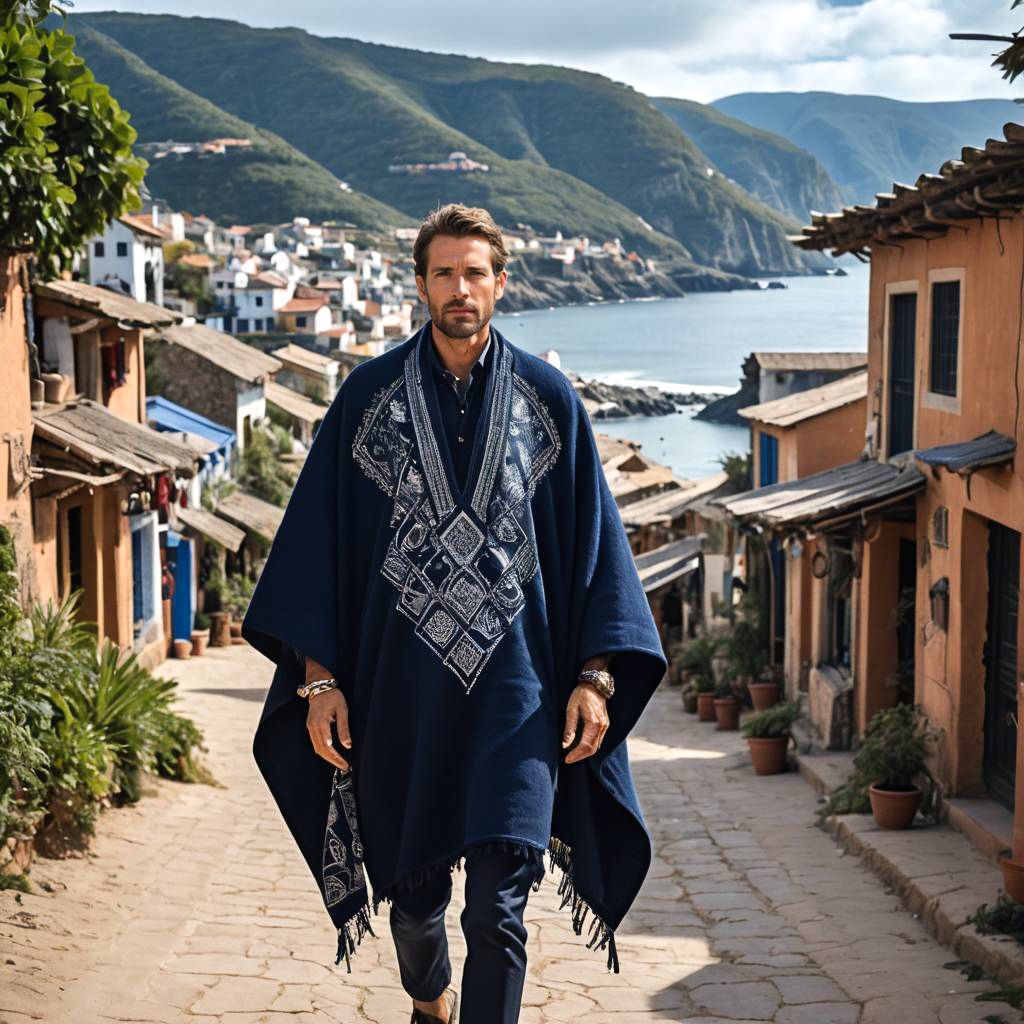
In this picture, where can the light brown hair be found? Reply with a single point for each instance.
(459, 221)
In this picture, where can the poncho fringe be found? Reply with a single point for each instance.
(351, 933)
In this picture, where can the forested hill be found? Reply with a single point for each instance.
(564, 149)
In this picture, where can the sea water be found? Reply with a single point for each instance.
(697, 343)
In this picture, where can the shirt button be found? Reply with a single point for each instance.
(460, 439)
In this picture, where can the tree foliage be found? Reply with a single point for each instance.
(66, 161)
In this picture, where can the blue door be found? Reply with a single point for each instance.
(179, 557)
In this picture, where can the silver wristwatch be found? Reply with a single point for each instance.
(600, 679)
(315, 686)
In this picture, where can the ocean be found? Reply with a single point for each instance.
(697, 343)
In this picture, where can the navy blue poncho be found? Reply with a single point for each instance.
(455, 622)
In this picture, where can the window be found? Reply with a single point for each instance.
(122, 248)
(259, 300)
(257, 325)
(69, 552)
(243, 325)
(300, 321)
(769, 460)
(945, 332)
(97, 250)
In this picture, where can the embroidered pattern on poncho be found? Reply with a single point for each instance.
(342, 870)
(459, 571)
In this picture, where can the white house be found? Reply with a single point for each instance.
(129, 257)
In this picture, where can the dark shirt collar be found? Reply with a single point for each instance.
(447, 377)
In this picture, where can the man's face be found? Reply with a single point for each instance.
(460, 287)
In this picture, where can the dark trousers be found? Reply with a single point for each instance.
(497, 887)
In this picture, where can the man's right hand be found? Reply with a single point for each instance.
(325, 708)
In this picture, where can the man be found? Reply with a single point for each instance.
(447, 592)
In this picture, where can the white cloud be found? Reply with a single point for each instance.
(700, 49)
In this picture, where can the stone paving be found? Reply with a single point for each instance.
(194, 906)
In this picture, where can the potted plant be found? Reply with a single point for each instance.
(200, 634)
(688, 692)
(746, 654)
(768, 734)
(696, 657)
(705, 690)
(892, 755)
(182, 648)
(727, 708)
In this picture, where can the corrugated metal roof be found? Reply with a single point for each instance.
(781, 361)
(89, 431)
(169, 415)
(805, 405)
(965, 456)
(241, 360)
(212, 526)
(668, 563)
(293, 403)
(251, 513)
(115, 305)
(831, 494)
(667, 506)
(305, 358)
(980, 183)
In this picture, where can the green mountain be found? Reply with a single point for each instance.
(267, 182)
(868, 142)
(766, 165)
(566, 150)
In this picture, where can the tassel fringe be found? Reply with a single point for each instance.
(599, 935)
(351, 933)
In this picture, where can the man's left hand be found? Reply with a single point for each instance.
(587, 704)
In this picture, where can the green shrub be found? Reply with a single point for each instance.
(202, 621)
(774, 723)
(892, 754)
(260, 470)
(697, 654)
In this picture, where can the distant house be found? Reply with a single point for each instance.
(301, 413)
(103, 480)
(213, 374)
(305, 315)
(129, 257)
(818, 431)
(783, 373)
(307, 372)
(258, 298)
(770, 375)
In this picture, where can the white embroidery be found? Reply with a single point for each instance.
(459, 571)
(340, 877)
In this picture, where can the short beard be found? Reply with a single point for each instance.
(458, 329)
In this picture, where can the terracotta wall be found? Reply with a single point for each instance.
(15, 418)
(950, 672)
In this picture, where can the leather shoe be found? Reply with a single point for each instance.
(419, 1017)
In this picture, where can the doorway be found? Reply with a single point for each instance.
(999, 764)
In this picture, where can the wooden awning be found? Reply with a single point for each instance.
(251, 513)
(199, 520)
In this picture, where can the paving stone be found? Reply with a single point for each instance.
(201, 910)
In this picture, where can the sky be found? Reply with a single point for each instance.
(695, 49)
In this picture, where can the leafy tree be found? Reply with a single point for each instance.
(66, 161)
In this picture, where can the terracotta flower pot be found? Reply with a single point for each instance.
(200, 638)
(220, 629)
(763, 695)
(236, 628)
(768, 754)
(1013, 877)
(689, 700)
(894, 808)
(705, 707)
(727, 711)
(182, 648)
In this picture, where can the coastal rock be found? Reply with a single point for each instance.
(614, 401)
